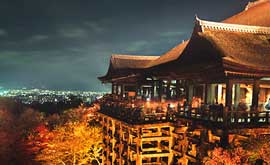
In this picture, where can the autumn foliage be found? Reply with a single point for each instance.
(29, 137)
(254, 151)
(16, 122)
(71, 143)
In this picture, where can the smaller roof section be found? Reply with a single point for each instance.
(124, 65)
(171, 55)
(130, 61)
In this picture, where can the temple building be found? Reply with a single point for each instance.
(206, 91)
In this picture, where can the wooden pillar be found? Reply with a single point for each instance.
(139, 91)
(224, 138)
(168, 91)
(152, 89)
(190, 93)
(203, 93)
(118, 89)
(108, 140)
(121, 144)
(112, 89)
(206, 86)
(237, 95)
(104, 125)
(136, 90)
(187, 89)
(209, 99)
(229, 86)
(178, 92)
(113, 141)
(160, 89)
(211, 93)
(115, 88)
(219, 93)
(129, 142)
(138, 148)
(255, 93)
(171, 143)
(122, 90)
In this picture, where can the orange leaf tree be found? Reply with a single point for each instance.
(73, 143)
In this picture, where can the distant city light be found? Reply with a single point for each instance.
(28, 96)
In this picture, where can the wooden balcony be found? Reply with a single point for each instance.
(226, 118)
(213, 116)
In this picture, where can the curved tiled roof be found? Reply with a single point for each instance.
(233, 50)
(171, 55)
(122, 65)
(256, 13)
(250, 50)
(130, 61)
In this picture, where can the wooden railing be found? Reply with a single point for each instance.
(133, 115)
(225, 116)
(217, 115)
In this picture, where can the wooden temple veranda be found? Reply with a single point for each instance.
(208, 91)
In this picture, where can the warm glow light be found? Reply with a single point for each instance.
(196, 102)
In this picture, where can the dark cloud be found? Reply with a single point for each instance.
(3, 32)
(66, 44)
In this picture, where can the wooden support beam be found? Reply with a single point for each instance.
(255, 93)
(225, 138)
(229, 86)
(152, 93)
(122, 90)
(190, 93)
(171, 143)
(168, 91)
(178, 92)
(113, 140)
(118, 89)
(112, 89)
(160, 89)
(237, 95)
(206, 86)
(153, 138)
(211, 93)
(138, 148)
(150, 155)
(121, 143)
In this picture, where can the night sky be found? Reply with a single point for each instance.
(66, 44)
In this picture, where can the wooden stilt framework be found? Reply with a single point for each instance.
(179, 141)
(136, 144)
(158, 143)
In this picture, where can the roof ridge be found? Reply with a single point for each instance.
(132, 56)
(231, 27)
